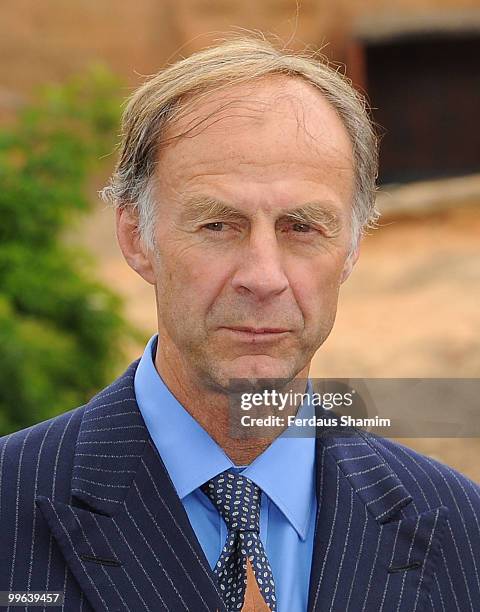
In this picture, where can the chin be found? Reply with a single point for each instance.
(249, 371)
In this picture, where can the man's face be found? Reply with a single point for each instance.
(253, 232)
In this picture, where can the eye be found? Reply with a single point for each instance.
(300, 231)
(301, 227)
(215, 226)
(298, 227)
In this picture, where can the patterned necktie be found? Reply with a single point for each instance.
(238, 500)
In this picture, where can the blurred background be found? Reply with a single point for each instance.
(73, 315)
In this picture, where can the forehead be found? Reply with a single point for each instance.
(275, 127)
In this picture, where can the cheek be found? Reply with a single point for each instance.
(192, 283)
(316, 287)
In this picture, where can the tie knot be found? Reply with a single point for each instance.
(237, 499)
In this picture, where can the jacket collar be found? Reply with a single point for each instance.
(113, 438)
(111, 442)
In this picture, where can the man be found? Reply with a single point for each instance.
(245, 178)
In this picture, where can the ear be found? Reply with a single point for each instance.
(350, 262)
(136, 254)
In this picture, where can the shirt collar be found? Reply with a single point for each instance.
(284, 471)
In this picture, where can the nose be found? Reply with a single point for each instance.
(260, 271)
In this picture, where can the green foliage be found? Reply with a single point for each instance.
(60, 331)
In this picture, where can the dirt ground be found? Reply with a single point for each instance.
(410, 309)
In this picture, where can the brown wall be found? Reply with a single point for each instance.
(48, 40)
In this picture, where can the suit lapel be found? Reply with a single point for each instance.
(372, 550)
(126, 536)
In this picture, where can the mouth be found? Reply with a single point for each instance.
(260, 330)
(257, 334)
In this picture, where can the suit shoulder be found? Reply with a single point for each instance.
(39, 455)
(64, 427)
(41, 436)
(430, 482)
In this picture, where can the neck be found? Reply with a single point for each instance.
(211, 409)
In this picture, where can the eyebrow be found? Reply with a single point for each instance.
(201, 207)
(317, 213)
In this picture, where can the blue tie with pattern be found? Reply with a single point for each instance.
(238, 500)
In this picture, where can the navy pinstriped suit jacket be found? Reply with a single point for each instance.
(87, 508)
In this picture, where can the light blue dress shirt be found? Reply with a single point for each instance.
(284, 472)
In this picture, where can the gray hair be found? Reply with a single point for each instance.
(161, 100)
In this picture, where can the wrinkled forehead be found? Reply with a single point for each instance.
(277, 110)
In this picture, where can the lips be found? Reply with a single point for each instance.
(259, 330)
